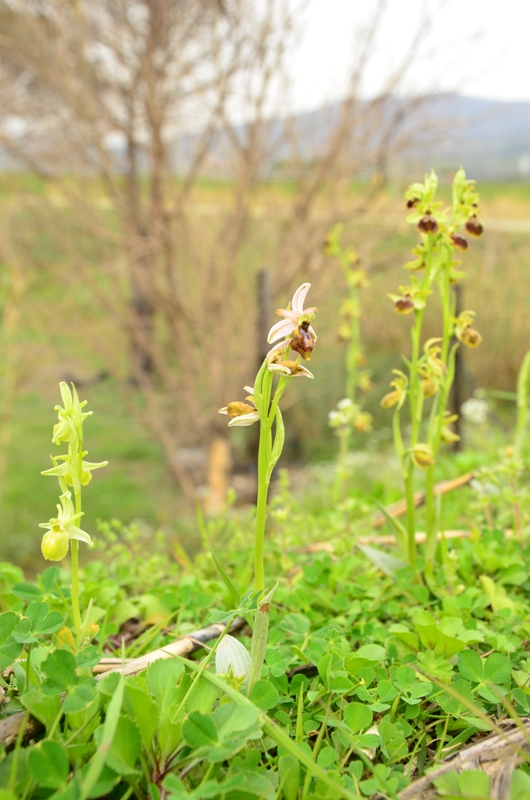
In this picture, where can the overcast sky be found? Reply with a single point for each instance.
(476, 47)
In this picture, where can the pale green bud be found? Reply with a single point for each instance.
(55, 543)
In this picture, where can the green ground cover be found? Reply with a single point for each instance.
(369, 678)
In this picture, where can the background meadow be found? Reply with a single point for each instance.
(56, 329)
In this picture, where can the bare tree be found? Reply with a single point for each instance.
(101, 98)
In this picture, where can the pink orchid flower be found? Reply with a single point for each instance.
(296, 324)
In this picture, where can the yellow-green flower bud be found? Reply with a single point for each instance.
(391, 399)
(429, 387)
(55, 543)
(237, 409)
(422, 456)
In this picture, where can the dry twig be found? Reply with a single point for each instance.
(497, 755)
(400, 508)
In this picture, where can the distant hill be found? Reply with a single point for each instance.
(490, 137)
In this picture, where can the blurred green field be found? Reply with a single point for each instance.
(57, 312)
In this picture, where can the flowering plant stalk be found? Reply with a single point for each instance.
(348, 416)
(523, 395)
(293, 332)
(455, 330)
(350, 313)
(72, 472)
(430, 373)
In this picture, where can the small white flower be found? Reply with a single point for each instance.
(345, 403)
(232, 656)
(485, 489)
(475, 411)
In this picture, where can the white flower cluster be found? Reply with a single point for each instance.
(344, 415)
(475, 411)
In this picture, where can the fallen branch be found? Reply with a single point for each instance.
(181, 647)
(420, 537)
(108, 664)
(497, 755)
(185, 645)
(389, 539)
(400, 508)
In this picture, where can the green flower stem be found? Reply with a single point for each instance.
(439, 407)
(440, 400)
(282, 386)
(261, 508)
(341, 486)
(411, 515)
(352, 351)
(523, 392)
(415, 404)
(76, 614)
(267, 457)
(259, 640)
(430, 514)
(28, 662)
(200, 671)
(75, 449)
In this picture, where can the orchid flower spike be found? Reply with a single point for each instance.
(296, 325)
(242, 414)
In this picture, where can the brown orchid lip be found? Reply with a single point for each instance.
(427, 224)
(302, 342)
(474, 227)
(459, 241)
(404, 304)
(471, 337)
